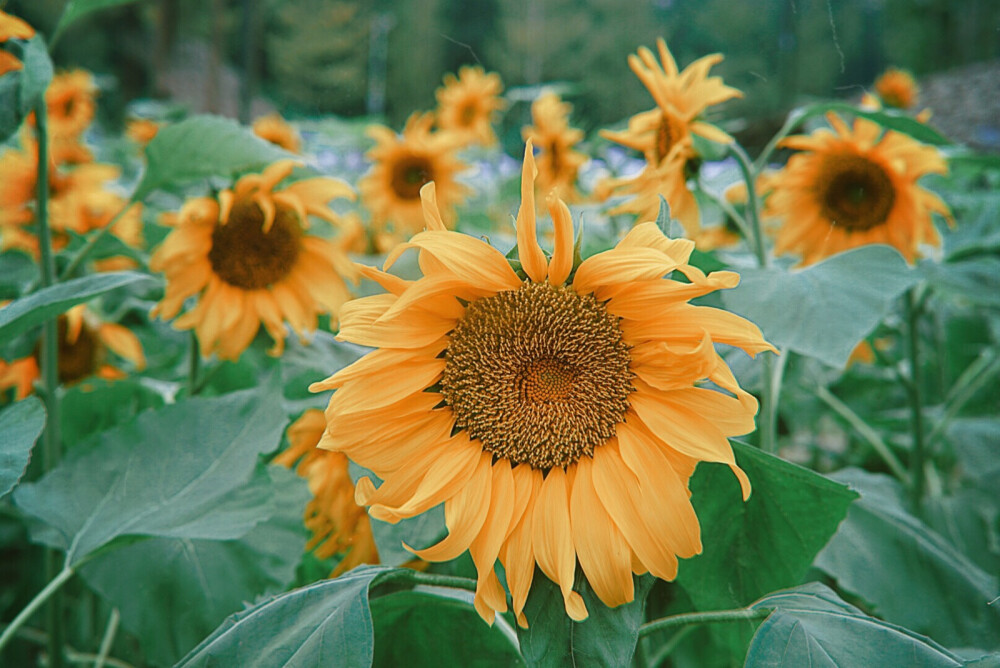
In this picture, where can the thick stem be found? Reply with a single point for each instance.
(918, 453)
(737, 615)
(50, 589)
(753, 203)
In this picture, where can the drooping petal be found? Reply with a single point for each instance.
(553, 540)
(528, 251)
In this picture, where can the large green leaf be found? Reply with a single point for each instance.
(200, 147)
(420, 628)
(34, 309)
(21, 424)
(812, 626)
(907, 572)
(975, 280)
(99, 404)
(764, 544)
(77, 9)
(606, 638)
(191, 586)
(17, 272)
(823, 311)
(325, 624)
(181, 471)
(21, 90)
(889, 119)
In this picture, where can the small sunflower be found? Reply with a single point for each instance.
(468, 105)
(558, 162)
(84, 342)
(554, 413)
(278, 131)
(663, 134)
(245, 254)
(71, 105)
(337, 523)
(402, 165)
(897, 88)
(142, 130)
(12, 27)
(852, 187)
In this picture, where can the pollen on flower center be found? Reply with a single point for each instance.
(858, 194)
(540, 375)
(246, 256)
(409, 175)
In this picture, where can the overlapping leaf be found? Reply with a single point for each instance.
(21, 425)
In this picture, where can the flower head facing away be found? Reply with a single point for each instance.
(554, 411)
(897, 88)
(550, 132)
(852, 187)
(247, 256)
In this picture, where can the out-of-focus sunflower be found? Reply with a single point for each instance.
(84, 342)
(556, 413)
(278, 131)
(558, 162)
(401, 166)
(12, 27)
(897, 88)
(852, 187)
(468, 105)
(247, 257)
(142, 130)
(71, 105)
(338, 524)
(663, 134)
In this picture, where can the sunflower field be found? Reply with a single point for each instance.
(491, 381)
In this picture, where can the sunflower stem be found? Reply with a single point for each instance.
(668, 648)
(714, 616)
(965, 388)
(194, 364)
(918, 453)
(92, 242)
(729, 210)
(40, 598)
(753, 202)
(411, 577)
(774, 371)
(793, 119)
(108, 639)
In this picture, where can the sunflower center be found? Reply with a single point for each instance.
(540, 375)
(78, 358)
(468, 113)
(858, 194)
(246, 256)
(665, 137)
(409, 175)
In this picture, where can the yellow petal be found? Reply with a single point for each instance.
(615, 267)
(485, 548)
(124, 343)
(528, 251)
(468, 258)
(562, 254)
(553, 540)
(428, 202)
(518, 551)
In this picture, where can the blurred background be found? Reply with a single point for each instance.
(384, 58)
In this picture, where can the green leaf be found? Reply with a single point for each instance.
(889, 119)
(180, 471)
(77, 9)
(191, 586)
(420, 628)
(825, 310)
(99, 404)
(606, 638)
(21, 90)
(325, 624)
(34, 309)
(974, 441)
(974, 280)
(21, 424)
(670, 226)
(761, 545)
(812, 626)
(200, 147)
(907, 572)
(17, 271)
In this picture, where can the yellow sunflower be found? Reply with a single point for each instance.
(142, 130)
(852, 187)
(558, 162)
(278, 131)
(663, 134)
(556, 412)
(401, 166)
(897, 88)
(245, 254)
(84, 342)
(71, 105)
(12, 27)
(468, 105)
(337, 523)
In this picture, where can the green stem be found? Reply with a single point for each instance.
(108, 639)
(92, 242)
(411, 577)
(793, 119)
(50, 589)
(51, 439)
(730, 211)
(739, 614)
(866, 432)
(668, 647)
(918, 454)
(774, 371)
(753, 202)
(975, 376)
(194, 362)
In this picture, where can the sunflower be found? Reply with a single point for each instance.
(142, 130)
(469, 104)
(664, 134)
(555, 413)
(84, 342)
(897, 88)
(245, 254)
(337, 523)
(278, 131)
(71, 106)
(558, 163)
(853, 187)
(402, 165)
(12, 27)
